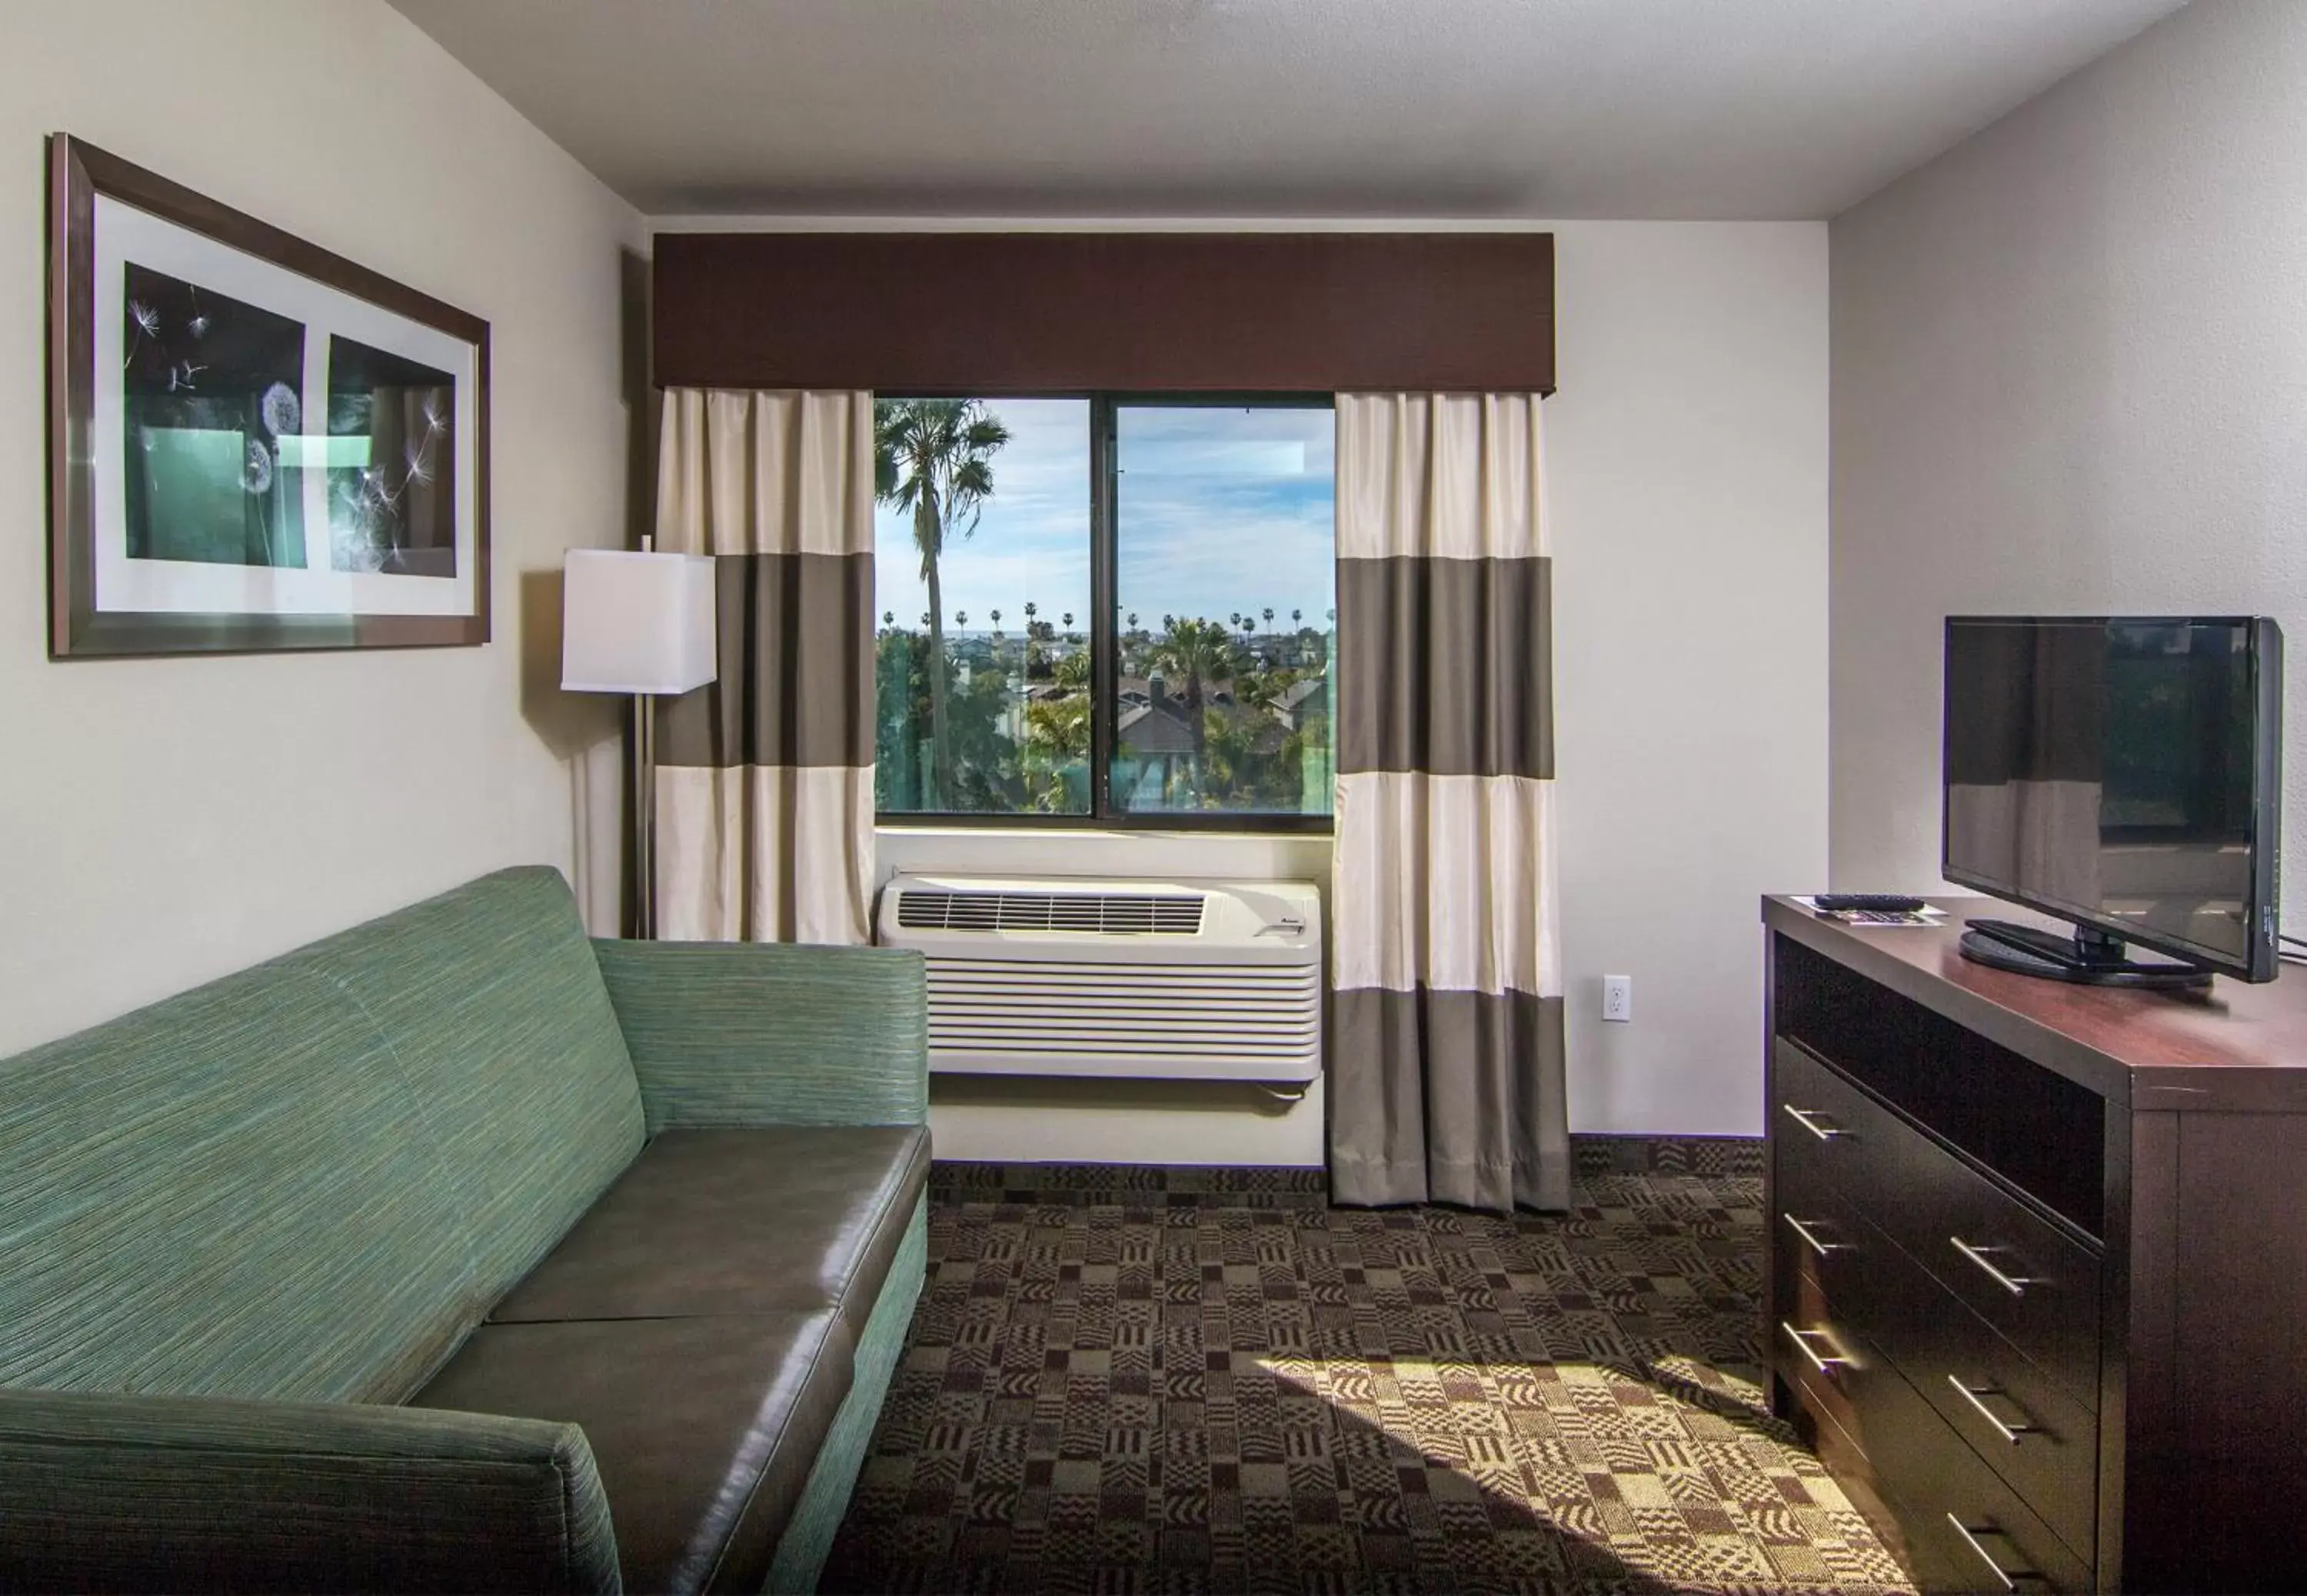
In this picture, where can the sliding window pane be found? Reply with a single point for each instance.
(1225, 574)
(982, 547)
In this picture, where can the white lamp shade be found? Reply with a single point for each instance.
(636, 623)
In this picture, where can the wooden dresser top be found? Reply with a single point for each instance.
(2236, 1048)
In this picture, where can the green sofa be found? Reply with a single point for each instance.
(460, 1252)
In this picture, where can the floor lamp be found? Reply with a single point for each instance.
(641, 624)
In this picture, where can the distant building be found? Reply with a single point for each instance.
(1304, 701)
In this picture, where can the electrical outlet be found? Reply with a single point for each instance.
(1617, 997)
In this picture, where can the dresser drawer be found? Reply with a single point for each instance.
(1959, 1525)
(1819, 1353)
(1817, 1234)
(2018, 1420)
(1965, 1529)
(1820, 1134)
(2011, 1268)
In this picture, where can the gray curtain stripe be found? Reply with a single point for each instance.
(1444, 1096)
(1446, 666)
(796, 682)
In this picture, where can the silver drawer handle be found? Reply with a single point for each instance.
(1808, 1118)
(2011, 1578)
(2016, 1284)
(2014, 1433)
(1811, 1240)
(1801, 1340)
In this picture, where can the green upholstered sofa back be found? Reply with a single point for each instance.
(492, 1004)
(309, 1180)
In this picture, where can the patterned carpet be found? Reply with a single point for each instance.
(1183, 1382)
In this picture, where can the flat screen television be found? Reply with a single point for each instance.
(2123, 774)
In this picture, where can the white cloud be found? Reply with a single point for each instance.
(1221, 508)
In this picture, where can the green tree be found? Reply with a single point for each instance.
(1199, 651)
(934, 459)
(1055, 755)
(985, 777)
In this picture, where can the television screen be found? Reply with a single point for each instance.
(2120, 773)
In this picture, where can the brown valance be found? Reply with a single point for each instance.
(1147, 312)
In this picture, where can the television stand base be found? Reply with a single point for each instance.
(2087, 959)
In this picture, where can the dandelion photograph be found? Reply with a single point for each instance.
(210, 384)
(253, 444)
(392, 504)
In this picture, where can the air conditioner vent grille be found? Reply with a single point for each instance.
(1173, 1012)
(1100, 914)
(1122, 978)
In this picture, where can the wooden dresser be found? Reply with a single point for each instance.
(2038, 1260)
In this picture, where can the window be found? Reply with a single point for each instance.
(981, 564)
(1195, 694)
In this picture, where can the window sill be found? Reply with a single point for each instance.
(1216, 828)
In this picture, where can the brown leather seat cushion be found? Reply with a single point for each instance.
(705, 1429)
(737, 1222)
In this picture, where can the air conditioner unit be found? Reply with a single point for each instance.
(1180, 980)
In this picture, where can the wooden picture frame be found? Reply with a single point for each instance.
(282, 450)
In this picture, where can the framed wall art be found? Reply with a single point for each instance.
(253, 444)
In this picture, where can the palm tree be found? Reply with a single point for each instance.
(888, 618)
(1070, 623)
(934, 458)
(961, 617)
(995, 615)
(1032, 609)
(1197, 651)
(1133, 621)
(1297, 618)
(1269, 618)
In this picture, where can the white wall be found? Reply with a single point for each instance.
(1688, 457)
(165, 820)
(2070, 376)
(1687, 447)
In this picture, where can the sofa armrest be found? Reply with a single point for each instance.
(772, 1033)
(150, 1493)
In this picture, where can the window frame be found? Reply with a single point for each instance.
(1105, 640)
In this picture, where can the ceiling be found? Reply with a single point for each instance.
(1339, 108)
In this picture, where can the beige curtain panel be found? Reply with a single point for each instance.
(1447, 1064)
(765, 778)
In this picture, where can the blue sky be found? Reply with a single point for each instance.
(1221, 510)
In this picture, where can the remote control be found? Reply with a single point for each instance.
(1879, 902)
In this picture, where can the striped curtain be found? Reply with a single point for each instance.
(1447, 1069)
(765, 778)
